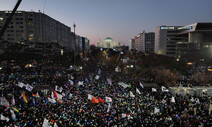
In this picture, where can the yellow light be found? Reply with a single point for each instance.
(210, 70)
(30, 39)
(189, 63)
(160, 52)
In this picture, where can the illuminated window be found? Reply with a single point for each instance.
(30, 23)
(31, 35)
(30, 39)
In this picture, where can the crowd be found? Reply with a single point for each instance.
(93, 99)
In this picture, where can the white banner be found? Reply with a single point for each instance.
(28, 87)
(4, 118)
(3, 101)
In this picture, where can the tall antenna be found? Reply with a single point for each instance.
(44, 6)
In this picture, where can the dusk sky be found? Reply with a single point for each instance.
(118, 19)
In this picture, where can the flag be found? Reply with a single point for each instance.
(60, 100)
(164, 89)
(13, 100)
(80, 83)
(35, 95)
(23, 97)
(131, 94)
(61, 89)
(29, 88)
(163, 101)
(51, 100)
(20, 84)
(70, 96)
(172, 100)
(123, 115)
(101, 100)
(90, 97)
(156, 110)
(94, 100)
(54, 94)
(4, 118)
(57, 88)
(4, 102)
(141, 85)
(154, 90)
(192, 99)
(13, 115)
(46, 123)
(137, 91)
(55, 124)
(108, 99)
(70, 82)
(123, 85)
(97, 77)
(59, 96)
(14, 109)
(109, 81)
(109, 106)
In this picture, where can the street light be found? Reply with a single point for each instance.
(74, 45)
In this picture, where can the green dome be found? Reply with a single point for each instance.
(108, 39)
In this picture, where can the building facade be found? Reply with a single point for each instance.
(166, 38)
(108, 43)
(38, 28)
(132, 44)
(189, 43)
(144, 42)
(199, 43)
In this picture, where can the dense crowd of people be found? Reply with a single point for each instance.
(95, 98)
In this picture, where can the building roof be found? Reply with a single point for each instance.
(108, 39)
(196, 27)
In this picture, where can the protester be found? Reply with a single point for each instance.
(80, 98)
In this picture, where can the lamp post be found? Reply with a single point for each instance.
(74, 45)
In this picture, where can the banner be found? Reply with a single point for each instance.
(28, 87)
(4, 102)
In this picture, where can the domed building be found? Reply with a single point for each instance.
(108, 43)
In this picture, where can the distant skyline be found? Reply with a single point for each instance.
(118, 19)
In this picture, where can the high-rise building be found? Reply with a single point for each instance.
(190, 42)
(198, 45)
(166, 38)
(85, 44)
(132, 44)
(144, 42)
(36, 27)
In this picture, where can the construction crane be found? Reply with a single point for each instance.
(9, 19)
